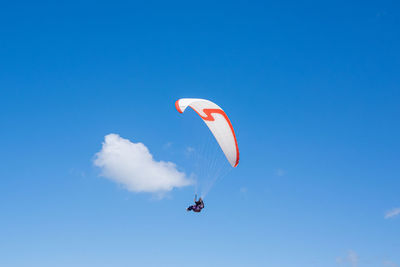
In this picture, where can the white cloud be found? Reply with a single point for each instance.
(351, 258)
(167, 145)
(189, 150)
(243, 190)
(392, 213)
(390, 264)
(280, 172)
(132, 165)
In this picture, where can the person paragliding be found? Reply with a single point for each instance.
(198, 206)
(221, 128)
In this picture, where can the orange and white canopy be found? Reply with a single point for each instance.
(218, 123)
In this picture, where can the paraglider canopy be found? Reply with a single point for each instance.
(218, 123)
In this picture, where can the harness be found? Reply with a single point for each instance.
(198, 207)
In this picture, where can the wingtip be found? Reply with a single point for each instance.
(177, 106)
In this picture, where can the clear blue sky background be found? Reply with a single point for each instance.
(312, 89)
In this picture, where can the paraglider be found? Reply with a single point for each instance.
(218, 123)
(221, 128)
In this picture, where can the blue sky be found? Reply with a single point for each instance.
(312, 89)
